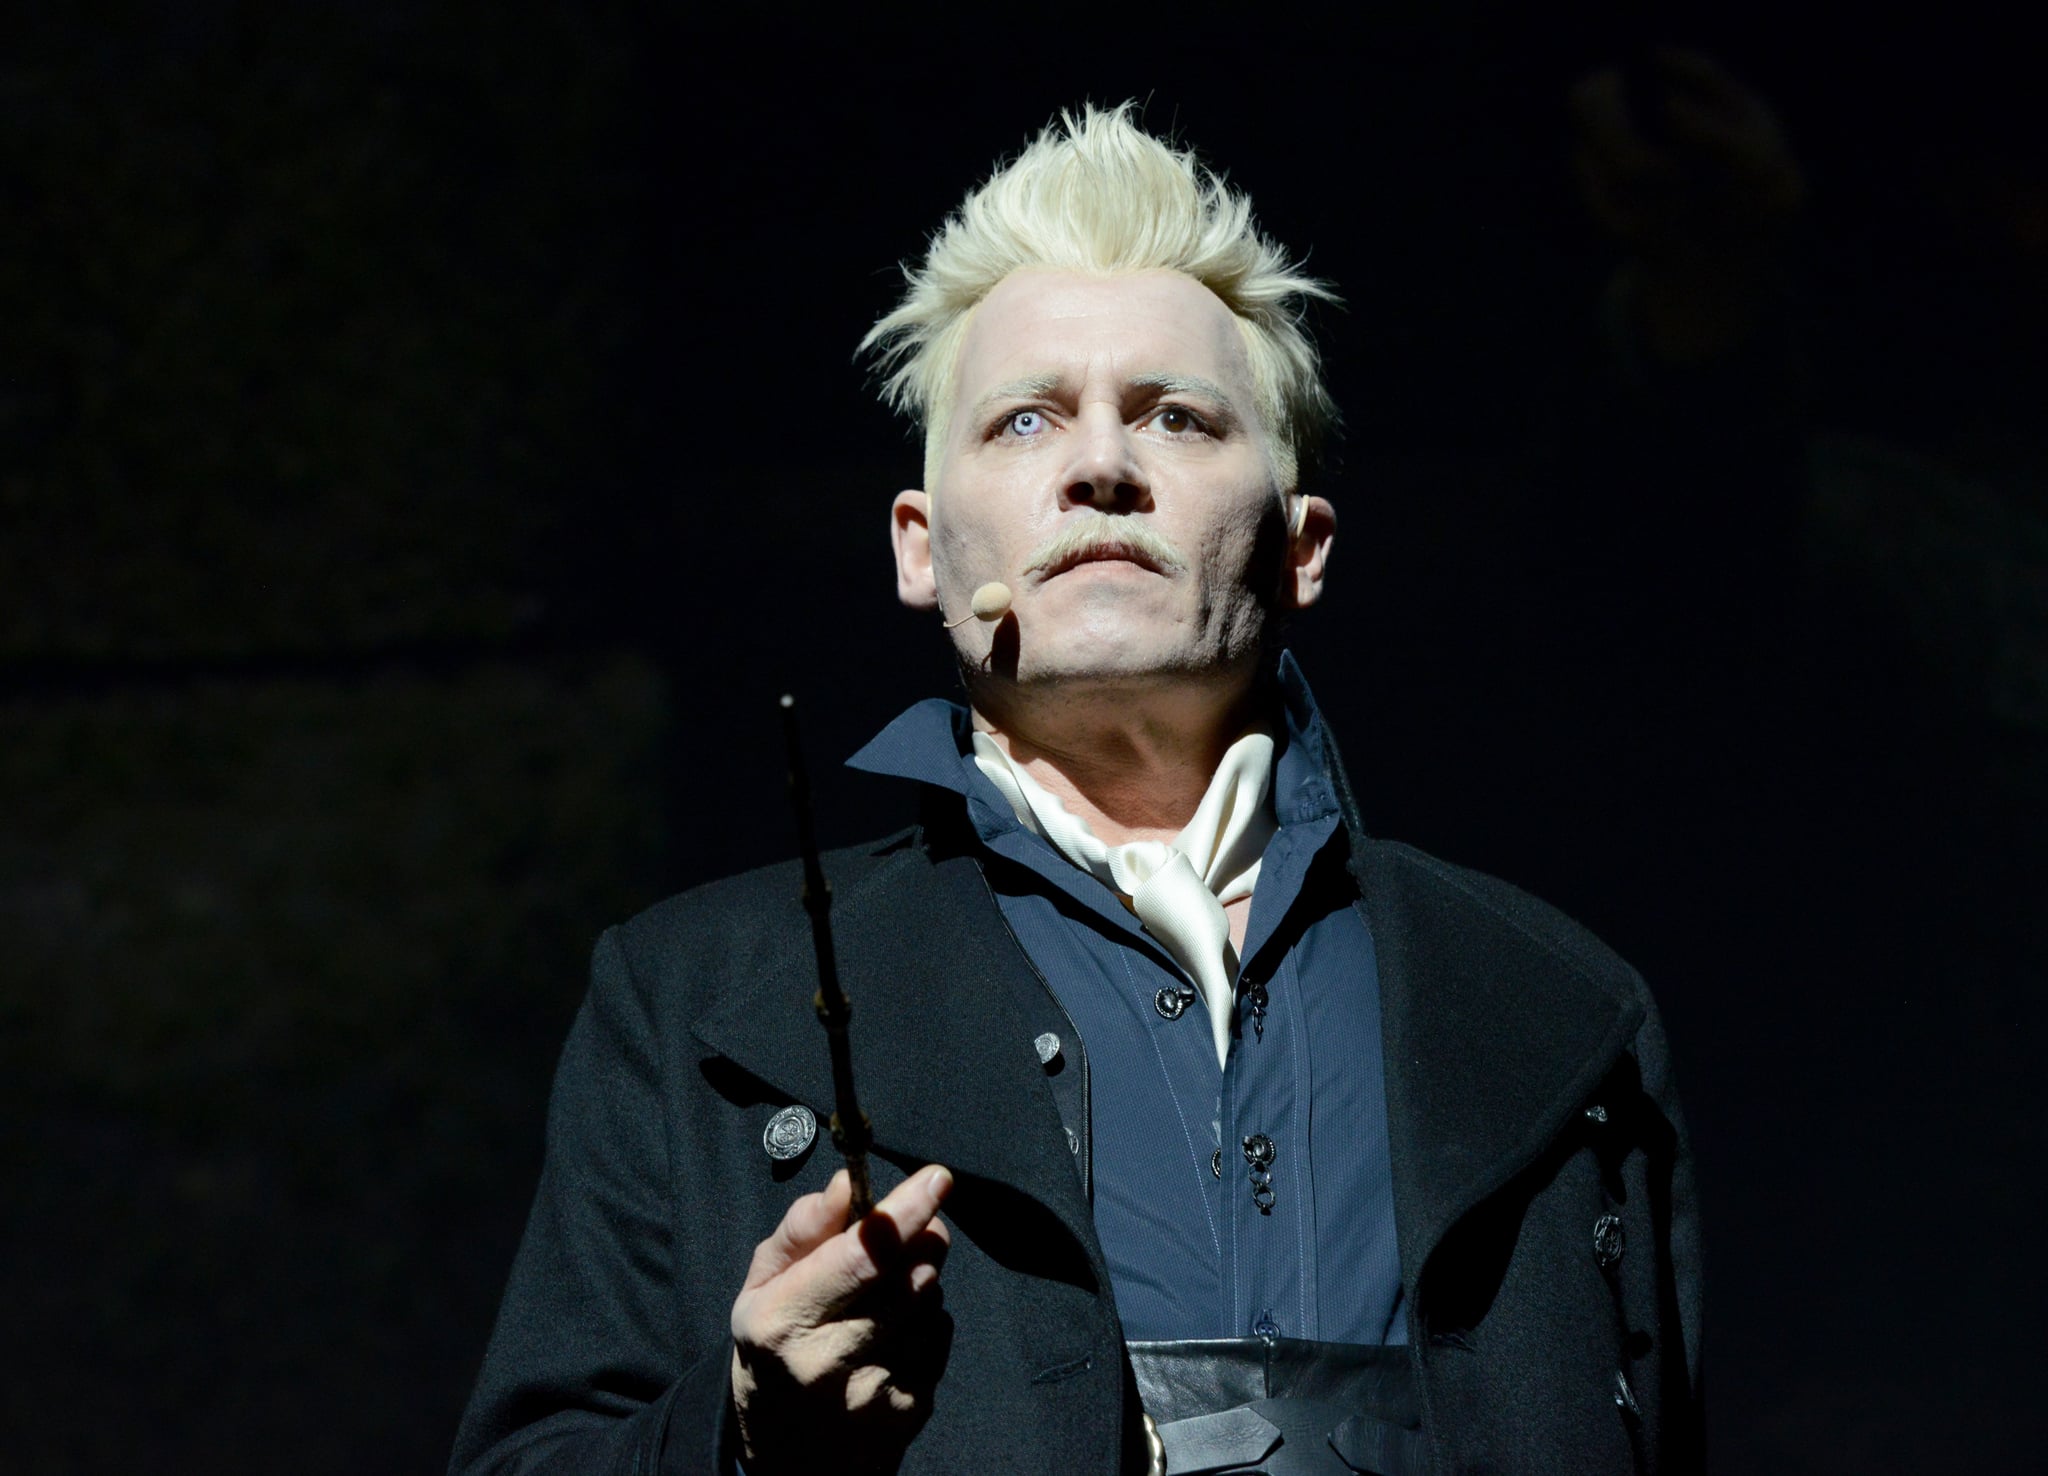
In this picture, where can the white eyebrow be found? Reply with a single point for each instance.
(1032, 387)
(1037, 386)
(1182, 384)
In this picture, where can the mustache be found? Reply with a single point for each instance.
(1101, 536)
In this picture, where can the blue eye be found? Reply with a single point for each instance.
(1026, 423)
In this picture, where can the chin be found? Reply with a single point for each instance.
(1126, 665)
(1099, 669)
(1099, 644)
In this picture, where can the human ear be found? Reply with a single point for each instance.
(910, 534)
(1308, 550)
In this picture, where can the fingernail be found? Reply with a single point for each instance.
(938, 1181)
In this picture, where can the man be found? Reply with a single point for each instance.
(1261, 1144)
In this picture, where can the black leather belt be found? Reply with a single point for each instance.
(1282, 1406)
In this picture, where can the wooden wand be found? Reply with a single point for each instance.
(851, 1133)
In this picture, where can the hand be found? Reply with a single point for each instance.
(840, 1332)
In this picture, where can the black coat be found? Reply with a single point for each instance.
(1528, 1096)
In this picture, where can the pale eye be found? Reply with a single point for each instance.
(1026, 423)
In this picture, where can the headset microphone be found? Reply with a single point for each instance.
(991, 602)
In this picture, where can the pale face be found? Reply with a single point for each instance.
(1125, 401)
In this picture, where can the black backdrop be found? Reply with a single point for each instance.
(430, 439)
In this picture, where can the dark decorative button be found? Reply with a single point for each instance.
(1610, 1240)
(1259, 1153)
(1047, 1046)
(1073, 1142)
(1171, 1003)
(1216, 1163)
(1624, 1396)
(790, 1133)
(1596, 1113)
(1266, 1327)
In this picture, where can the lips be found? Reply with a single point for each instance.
(1102, 553)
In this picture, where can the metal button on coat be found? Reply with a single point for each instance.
(790, 1133)
(1259, 1151)
(1596, 1113)
(1610, 1239)
(1047, 1046)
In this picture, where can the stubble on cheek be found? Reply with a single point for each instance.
(1241, 566)
(951, 555)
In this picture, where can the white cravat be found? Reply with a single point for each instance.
(1177, 888)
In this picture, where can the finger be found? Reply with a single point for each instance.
(875, 1393)
(908, 1211)
(906, 1288)
(926, 1254)
(877, 1257)
(837, 1273)
(807, 1224)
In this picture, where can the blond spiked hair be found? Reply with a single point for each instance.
(1097, 194)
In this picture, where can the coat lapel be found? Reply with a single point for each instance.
(1493, 1039)
(941, 1059)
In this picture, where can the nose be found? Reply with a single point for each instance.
(1105, 473)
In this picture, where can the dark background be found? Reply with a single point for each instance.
(429, 440)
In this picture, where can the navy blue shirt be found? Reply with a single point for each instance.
(1191, 1254)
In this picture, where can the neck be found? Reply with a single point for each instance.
(1133, 764)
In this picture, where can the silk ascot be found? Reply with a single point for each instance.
(1177, 888)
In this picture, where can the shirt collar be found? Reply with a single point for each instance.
(931, 742)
